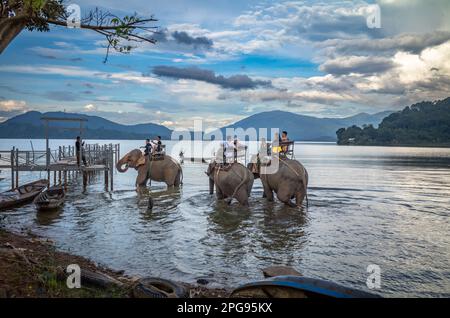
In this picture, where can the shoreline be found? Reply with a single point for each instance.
(31, 266)
(331, 142)
(397, 145)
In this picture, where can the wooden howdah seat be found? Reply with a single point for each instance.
(287, 149)
(289, 152)
(266, 160)
(224, 162)
(159, 155)
(224, 166)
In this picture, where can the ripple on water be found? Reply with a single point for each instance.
(361, 211)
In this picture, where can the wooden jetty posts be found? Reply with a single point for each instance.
(62, 162)
(63, 165)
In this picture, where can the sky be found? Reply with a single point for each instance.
(221, 61)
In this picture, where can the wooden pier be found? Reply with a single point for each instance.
(61, 164)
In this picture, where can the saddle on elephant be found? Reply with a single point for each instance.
(264, 161)
(223, 166)
(258, 161)
(159, 155)
(283, 149)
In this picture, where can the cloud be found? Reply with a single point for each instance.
(10, 108)
(135, 77)
(75, 71)
(316, 22)
(236, 82)
(90, 108)
(410, 42)
(11, 105)
(62, 52)
(191, 40)
(356, 64)
(62, 70)
(414, 16)
(288, 96)
(184, 38)
(66, 96)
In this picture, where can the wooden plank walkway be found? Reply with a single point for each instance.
(99, 158)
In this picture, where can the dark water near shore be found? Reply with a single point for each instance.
(368, 205)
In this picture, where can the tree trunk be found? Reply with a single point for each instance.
(9, 29)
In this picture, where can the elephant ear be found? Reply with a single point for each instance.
(140, 161)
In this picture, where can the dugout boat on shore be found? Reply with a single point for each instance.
(21, 195)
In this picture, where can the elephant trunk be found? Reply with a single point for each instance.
(211, 186)
(121, 163)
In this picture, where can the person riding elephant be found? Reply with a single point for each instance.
(287, 177)
(231, 181)
(165, 169)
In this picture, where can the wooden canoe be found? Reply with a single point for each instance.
(51, 198)
(21, 195)
(297, 287)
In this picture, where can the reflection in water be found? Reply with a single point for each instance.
(283, 227)
(367, 205)
(164, 204)
(48, 217)
(228, 218)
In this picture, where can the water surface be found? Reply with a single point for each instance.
(368, 205)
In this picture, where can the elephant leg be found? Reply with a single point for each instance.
(141, 183)
(141, 189)
(219, 193)
(268, 193)
(177, 181)
(170, 181)
(299, 197)
(284, 194)
(142, 177)
(169, 177)
(242, 197)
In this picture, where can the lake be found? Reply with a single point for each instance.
(386, 206)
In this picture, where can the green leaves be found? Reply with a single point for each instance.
(426, 123)
(119, 32)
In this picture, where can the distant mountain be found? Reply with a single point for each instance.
(306, 128)
(30, 125)
(422, 124)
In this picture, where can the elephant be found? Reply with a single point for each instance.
(289, 180)
(166, 169)
(234, 181)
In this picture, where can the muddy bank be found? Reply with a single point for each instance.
(30, 266)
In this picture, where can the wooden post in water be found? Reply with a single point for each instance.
(12, 168)
(84, 179)
(111, 168)
(118, 152)
(17, 167)
(106, 179)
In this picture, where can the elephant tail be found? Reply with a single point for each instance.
(180, 173)
(244, 180)
(181, 176)
(306, 186)
(179, 167)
